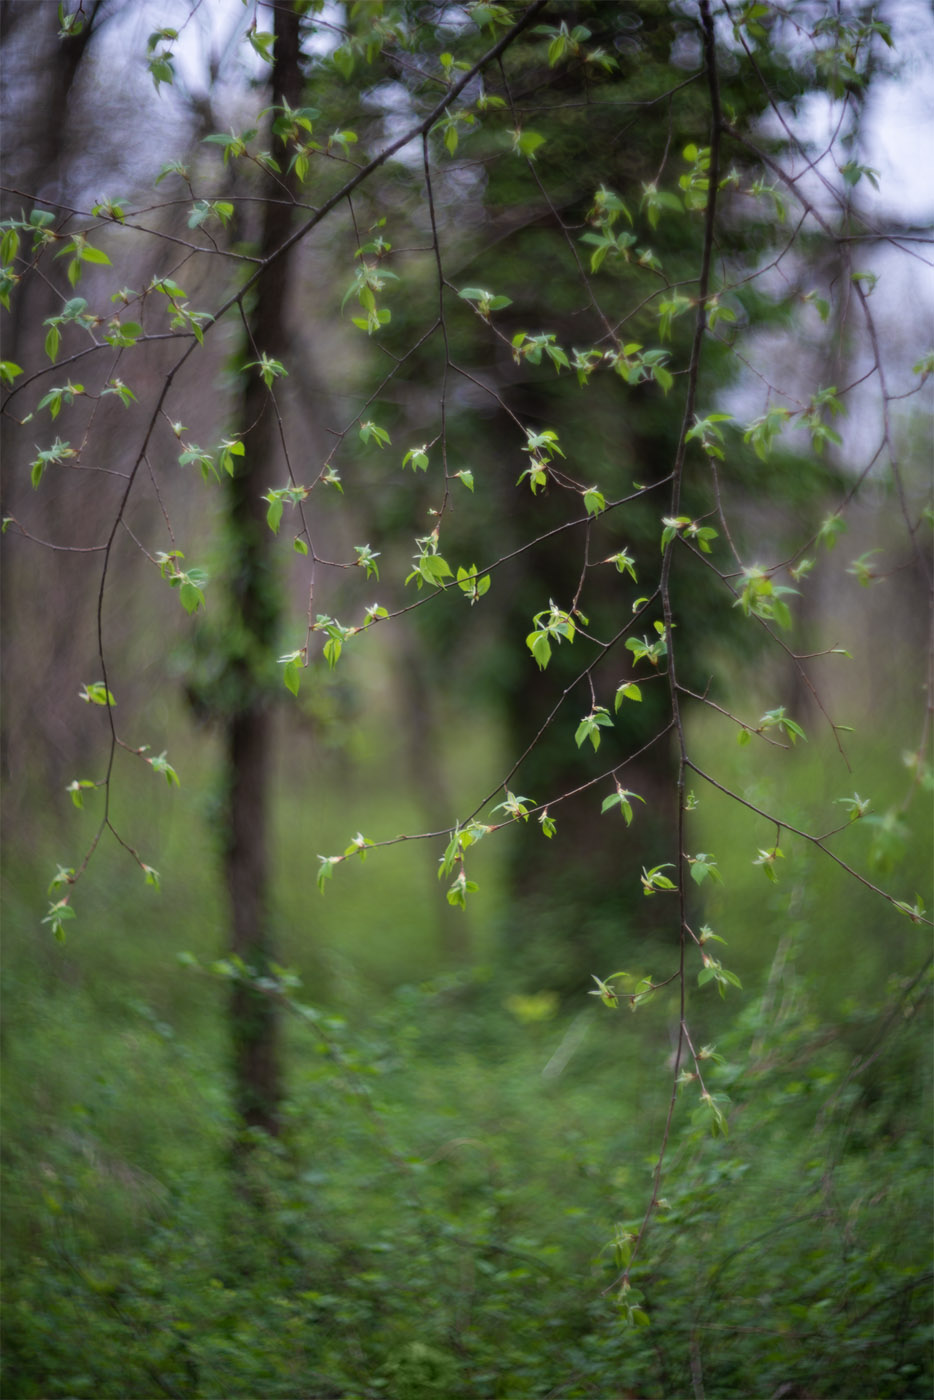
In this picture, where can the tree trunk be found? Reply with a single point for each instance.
(257, 1073)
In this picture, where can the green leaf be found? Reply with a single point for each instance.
(190, 593)
(161, 765)
(526, 143)
(76, 788)
(64, 875)
(516, 807)
(366, 559)
(269, 368)
(662, 377)
(540, 647)
(625, 564)
(96, 693)
(161, 70)
(53, 340)
(58, 915)
(471, 584)
(261, 43)
(484, 302)
(766, 860)
(159, 36)
(644, 650)
(856, 806)
(863, 570)
(173, 167)
(54, 399)
(345, 139)
(627, 691)
(373, 320)
(379, 435)
(621, 798)
(653, 881)
(293, 661)
(358, 846)
(485, 14)
(712, 971)
(326, 869)
(227, 450)
(605, 990)
(590, 726)
(9, 246)
(274, 513)
(594, 501)
(703, 867)
(433, 569)
(915, 912)
(461, 888)
(416, 457)
(123, 392)
(777, 719)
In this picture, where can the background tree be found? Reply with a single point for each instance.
(254, 604)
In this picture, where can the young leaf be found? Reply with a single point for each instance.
(162, 765)
(627, 691)
(606, 991)
(516, 807)
(540, 647)
(379, 436)
(766, 860)
(526, 143)
(621, 798)
(704, 867)
(76, 787)
(590, 726)
(471, 584)
(654, 881)
(293, 662)
(625, 564)
(96, 693)
(59, 913)
(461, 888)
(326, 870)
(416, 457)
(594, 501)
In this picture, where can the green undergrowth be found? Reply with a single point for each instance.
(467, 1157)
(456, 1187)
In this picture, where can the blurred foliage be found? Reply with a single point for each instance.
(446, 1210)
(462, 1161)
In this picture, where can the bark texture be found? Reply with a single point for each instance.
(249, 739)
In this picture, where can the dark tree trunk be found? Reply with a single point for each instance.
(40, 99)
(248, 737)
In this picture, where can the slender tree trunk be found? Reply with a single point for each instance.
(248, 738)
(41, 102)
